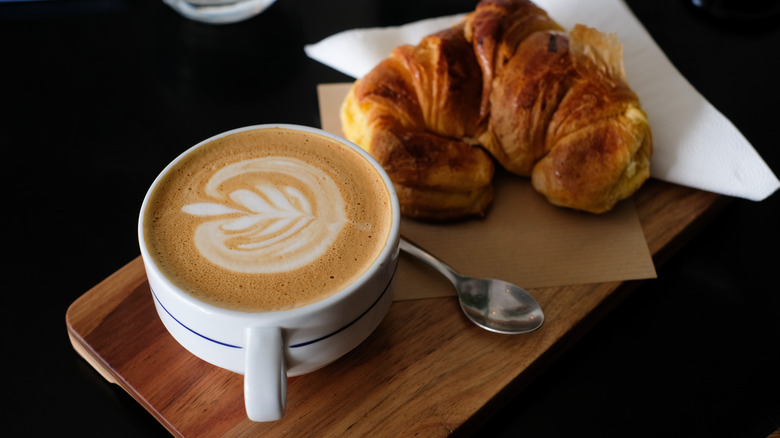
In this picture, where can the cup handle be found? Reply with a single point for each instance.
(265, 376)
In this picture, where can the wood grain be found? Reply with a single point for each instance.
(426, 371)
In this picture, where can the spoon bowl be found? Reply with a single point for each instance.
(494, 305)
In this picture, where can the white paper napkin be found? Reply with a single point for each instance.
(694, 144)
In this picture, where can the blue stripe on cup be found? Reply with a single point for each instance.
(301, 344)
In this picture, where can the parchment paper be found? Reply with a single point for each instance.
(523, 239)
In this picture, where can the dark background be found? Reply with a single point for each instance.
(99, 95)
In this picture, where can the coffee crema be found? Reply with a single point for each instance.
(267, 219)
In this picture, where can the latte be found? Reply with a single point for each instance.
(267, 219)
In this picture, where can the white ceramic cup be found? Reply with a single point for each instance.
(268, 347)
(219, 11)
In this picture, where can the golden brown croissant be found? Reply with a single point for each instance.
(413, 113)
(544, 104)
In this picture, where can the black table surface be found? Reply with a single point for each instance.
(98, 95)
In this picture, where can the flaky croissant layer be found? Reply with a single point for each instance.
(505, 84)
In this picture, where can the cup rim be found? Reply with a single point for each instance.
(385, 256)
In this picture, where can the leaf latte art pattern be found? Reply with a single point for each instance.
(268, 215)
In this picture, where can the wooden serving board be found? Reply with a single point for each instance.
(426, 371)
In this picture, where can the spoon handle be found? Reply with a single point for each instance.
(416, 251)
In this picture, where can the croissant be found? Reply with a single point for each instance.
(506, 84)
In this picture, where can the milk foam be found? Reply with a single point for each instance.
(268, 227)
(267, 220)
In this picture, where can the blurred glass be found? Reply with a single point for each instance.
(739, 11)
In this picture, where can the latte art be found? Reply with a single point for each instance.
(268, 219)
(268, 228)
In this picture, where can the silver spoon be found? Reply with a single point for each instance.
(494, 305)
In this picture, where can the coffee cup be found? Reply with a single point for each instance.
(271, 251)
(219, 11)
